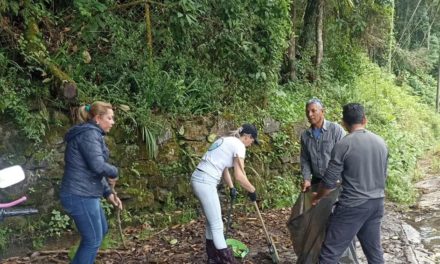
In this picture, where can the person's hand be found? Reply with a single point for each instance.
(112, 182)
(114, 199)
(315, 199)
(306, 185)
(252, 196)
(233, 193)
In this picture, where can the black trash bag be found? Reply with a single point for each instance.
(307, 226)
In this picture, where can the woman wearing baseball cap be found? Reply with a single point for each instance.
(224, 153)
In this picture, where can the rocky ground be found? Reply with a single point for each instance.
(401, 242)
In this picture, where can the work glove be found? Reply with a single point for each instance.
(252, 196)
(233, 193)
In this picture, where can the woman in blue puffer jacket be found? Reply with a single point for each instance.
(87, 175)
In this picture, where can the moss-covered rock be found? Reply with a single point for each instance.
(194, 130)
(59, 119)
(169, 152)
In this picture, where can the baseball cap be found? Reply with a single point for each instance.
(250, 130)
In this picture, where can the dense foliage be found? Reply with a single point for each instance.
(203, 54)
(160, 61)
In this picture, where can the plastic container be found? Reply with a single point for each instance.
(11, 175)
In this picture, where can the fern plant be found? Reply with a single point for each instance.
(150, 142)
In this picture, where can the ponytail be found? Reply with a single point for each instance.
(87, 112)
(236, 133)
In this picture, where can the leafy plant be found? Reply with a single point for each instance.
(4, 235)
(282, 191)
(150, 142)
(58, 223)
(38, 242)
(107, 207)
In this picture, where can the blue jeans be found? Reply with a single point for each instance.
(91, 223)
(362, 221)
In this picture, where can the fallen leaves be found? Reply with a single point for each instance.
(185, 243)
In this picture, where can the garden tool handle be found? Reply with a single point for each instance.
(262, 222)
(272, 249)
(228, 223)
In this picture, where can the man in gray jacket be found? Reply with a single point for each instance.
(359, 162)
(317, 143)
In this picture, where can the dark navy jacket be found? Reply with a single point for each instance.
(86, 162)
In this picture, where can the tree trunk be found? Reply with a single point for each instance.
(309, 22)
(391, 39)
(319, 41)
(428, 37)
(291, 51)
(437, 99)
(149, 33)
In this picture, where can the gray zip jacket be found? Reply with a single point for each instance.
(315, 153)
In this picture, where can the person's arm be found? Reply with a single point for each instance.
(227, 178)
(333, 173)
(306, 170)
(107, 189)
(91, 149)
(240, 175)
(322, 192)
(230, 183)
(386, 164)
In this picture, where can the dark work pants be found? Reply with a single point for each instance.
(345, 223)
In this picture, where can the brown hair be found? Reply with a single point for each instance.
(88, 112)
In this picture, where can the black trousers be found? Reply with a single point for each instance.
(345, 223)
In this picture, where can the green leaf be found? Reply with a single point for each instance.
(239, 248)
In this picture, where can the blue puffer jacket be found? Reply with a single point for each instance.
(86, 166)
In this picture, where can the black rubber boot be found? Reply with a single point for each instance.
(211, 251)
(226, 256)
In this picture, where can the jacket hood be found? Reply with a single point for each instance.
(78, 129)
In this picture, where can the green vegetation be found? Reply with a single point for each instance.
(4, 237)
(203, 61)
(58, 223)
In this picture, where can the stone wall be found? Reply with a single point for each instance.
(144, 183)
